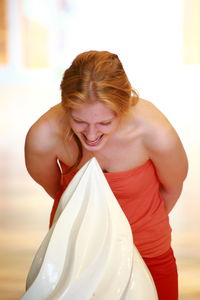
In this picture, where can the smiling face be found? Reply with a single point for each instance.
(94, 124)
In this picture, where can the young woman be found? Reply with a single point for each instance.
(142, 157)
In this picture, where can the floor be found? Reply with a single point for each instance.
(24, 214)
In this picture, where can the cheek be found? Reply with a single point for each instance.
(78, 127)
(105, 129)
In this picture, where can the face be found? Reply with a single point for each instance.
(94, 124)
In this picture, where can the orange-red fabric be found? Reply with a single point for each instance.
(137, 191)
(164, 272)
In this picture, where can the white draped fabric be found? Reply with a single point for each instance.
(89, 252)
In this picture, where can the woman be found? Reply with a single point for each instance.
(140, 153)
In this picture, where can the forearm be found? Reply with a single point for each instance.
(170, 197)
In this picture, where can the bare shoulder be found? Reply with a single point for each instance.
(41, 150)
(156, 129)
(161, 141)
(146, 111)
(46, 131)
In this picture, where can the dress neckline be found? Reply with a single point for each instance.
(130, 171)
(117, 174)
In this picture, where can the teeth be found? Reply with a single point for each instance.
(93, 142)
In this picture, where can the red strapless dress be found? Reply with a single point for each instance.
(137, 191)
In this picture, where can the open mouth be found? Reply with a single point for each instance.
(93, 143)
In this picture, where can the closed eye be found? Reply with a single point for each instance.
(101, 123)
(79, 122)
(105, 123)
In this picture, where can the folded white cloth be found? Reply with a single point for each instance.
(89, 252)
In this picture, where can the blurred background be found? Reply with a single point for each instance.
(158, 43)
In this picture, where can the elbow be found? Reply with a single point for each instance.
(170, 196)
(171, 193)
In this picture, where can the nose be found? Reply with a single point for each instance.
(91, 133)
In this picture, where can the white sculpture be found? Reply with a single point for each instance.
(89, 252)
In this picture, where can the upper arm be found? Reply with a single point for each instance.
(40, 158)
(168, 155)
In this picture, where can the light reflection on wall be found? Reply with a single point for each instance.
(191, 36)
(34, 36)
(3, 33)
(43, 25)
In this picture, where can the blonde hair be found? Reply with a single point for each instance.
(97, 76)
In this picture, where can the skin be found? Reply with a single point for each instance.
(119, 144)
(94, 125)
